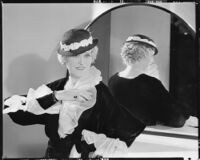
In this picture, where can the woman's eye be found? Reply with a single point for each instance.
(87, 55)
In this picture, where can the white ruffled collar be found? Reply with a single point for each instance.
(71, 111)
(90, 80)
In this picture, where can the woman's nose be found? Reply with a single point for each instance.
(80, 60)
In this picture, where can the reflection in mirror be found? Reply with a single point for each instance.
(174, 38)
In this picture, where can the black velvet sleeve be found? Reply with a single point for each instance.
(119, 122)
(26, 118)
(49, 100)
(46, 101)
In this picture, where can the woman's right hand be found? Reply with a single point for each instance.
(73, 95)
(15, 103)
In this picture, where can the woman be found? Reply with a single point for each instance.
(144, 95)
(77, 110)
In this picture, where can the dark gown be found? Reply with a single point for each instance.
(106, 117)
(148, 100)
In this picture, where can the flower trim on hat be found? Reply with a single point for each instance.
(76, 45)
(137, 38)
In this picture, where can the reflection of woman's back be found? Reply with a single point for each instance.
(143, 95)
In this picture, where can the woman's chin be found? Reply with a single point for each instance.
(80, 74)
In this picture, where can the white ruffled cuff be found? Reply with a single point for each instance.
(106, 147)
(32, 104)
(15, 103)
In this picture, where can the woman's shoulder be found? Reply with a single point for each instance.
(102, 89)
(114, 77)
(101, 86)
(115, 80)
(140, 78)
(147, 78)
(153, 84)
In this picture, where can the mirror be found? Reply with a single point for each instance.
(173, 36)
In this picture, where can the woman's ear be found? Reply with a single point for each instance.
(93, 61)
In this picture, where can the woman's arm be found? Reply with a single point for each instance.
(43, 98)
(172, 112)
(117, 127)
(25, 117)
(119, 121)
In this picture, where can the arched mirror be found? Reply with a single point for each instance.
(173, 36)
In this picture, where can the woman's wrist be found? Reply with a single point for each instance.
(65, 95)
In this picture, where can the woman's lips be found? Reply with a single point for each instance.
(80, 68)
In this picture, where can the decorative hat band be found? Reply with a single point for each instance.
(76, 45)
(137, 38)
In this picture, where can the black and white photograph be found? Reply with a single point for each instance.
(100, 80)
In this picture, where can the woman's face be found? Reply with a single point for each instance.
(79, 65)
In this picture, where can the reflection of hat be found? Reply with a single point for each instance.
(142, 39)
(75, 42)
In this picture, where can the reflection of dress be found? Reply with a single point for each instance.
(106, 117)
(148, 100)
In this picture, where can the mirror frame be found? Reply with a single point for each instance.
(142, 4)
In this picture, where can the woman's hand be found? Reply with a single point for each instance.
(15, 103)
(73, 95)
